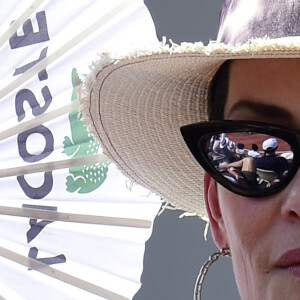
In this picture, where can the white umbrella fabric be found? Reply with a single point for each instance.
(73, 227)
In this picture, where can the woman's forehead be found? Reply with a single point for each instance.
(264, 77)
(264, 65)
(264, 88)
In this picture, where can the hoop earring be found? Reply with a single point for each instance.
(204, 269)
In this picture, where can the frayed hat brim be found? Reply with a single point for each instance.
(135, 104)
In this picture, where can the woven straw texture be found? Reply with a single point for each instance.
(136, 104)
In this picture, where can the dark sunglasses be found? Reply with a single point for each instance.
(248, 158)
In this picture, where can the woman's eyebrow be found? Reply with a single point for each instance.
(263, 109)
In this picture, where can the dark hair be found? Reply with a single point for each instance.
(219, 92)
(270, 150)
(254, 147)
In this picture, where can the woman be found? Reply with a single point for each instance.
(137, 103)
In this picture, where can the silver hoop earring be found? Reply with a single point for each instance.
(204, 269)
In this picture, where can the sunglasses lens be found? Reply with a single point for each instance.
(252, 162)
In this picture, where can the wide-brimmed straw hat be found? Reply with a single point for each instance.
(137, 102)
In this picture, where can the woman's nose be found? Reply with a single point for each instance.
(290, 208)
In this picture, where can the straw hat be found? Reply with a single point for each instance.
(137, 102)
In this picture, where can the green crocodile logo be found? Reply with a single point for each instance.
(83, 179)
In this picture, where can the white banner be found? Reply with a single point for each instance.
(64, 222)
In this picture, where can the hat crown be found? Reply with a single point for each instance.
(241, 20)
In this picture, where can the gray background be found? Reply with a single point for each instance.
(177, 249)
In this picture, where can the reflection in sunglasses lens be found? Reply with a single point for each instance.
(248, 159)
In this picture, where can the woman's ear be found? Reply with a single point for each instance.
(214, 212)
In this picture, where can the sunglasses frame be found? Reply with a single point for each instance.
(196, 136)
